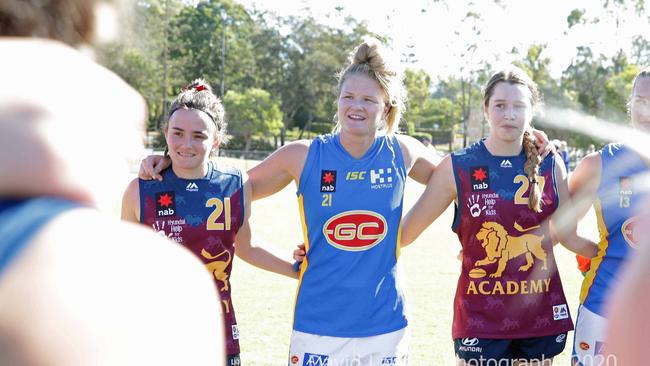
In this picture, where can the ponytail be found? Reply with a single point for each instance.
(531, 168)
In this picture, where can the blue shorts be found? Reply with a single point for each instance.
(484, 351)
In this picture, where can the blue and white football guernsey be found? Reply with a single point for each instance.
(621, 194)
(351, 213)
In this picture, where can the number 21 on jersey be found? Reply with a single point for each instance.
(220, 207)
(327, 200)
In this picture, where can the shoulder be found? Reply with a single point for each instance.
(132, 191)
(591, 162)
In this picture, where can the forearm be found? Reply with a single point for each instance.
(580, 245)
(260, 256)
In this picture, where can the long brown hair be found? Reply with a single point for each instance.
(516, 76)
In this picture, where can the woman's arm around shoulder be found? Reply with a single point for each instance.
(278, 169)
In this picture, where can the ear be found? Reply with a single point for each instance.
(387, 109)
(216, 144)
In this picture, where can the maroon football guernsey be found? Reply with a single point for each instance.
(509, 285)
(204, 216)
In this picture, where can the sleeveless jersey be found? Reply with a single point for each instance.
(509, 286)
(620, 196)
(351, 213)
(21, 219)
(203, 215)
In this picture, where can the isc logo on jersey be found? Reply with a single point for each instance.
(355, 230)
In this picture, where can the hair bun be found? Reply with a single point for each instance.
(198, 85)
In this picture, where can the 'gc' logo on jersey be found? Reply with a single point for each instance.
(355, 230)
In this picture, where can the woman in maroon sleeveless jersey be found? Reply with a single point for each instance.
(509, 305)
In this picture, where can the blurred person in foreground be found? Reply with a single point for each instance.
(78, 287)
(615, 181)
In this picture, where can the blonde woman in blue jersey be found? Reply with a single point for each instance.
(614, 181)
(349, 306)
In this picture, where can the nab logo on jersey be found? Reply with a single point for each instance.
(480, 176)
(311, 359)
(355, 230)
(165, 204)
(328, 180)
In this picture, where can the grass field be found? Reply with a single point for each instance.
(264, 301)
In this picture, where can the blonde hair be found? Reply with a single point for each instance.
(368, 59)
(68, 21)
(198, 95)
(516, 76)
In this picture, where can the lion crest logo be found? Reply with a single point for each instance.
(500, 246)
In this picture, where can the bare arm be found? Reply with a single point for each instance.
(563, 221)
(131, 202)
(440, 192)
(279, 169)
(254, 251)
(420, 162)
(583, 184)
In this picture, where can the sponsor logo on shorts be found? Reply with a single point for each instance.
(355, 230)
(470, 345)
(560, 338)
(584, 346)
(294, 359)
(470, 342)
(234, 360)
(328, 181)
(389, 361)
(165, 204)
(311, 359)
(560, 312)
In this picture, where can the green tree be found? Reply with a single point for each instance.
(252, 113)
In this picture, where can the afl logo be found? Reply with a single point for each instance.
(628, 229)
(355, 230)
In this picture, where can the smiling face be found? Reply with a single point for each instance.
(190, 137)
(509, 111)
(640, 104)
(361, 105)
